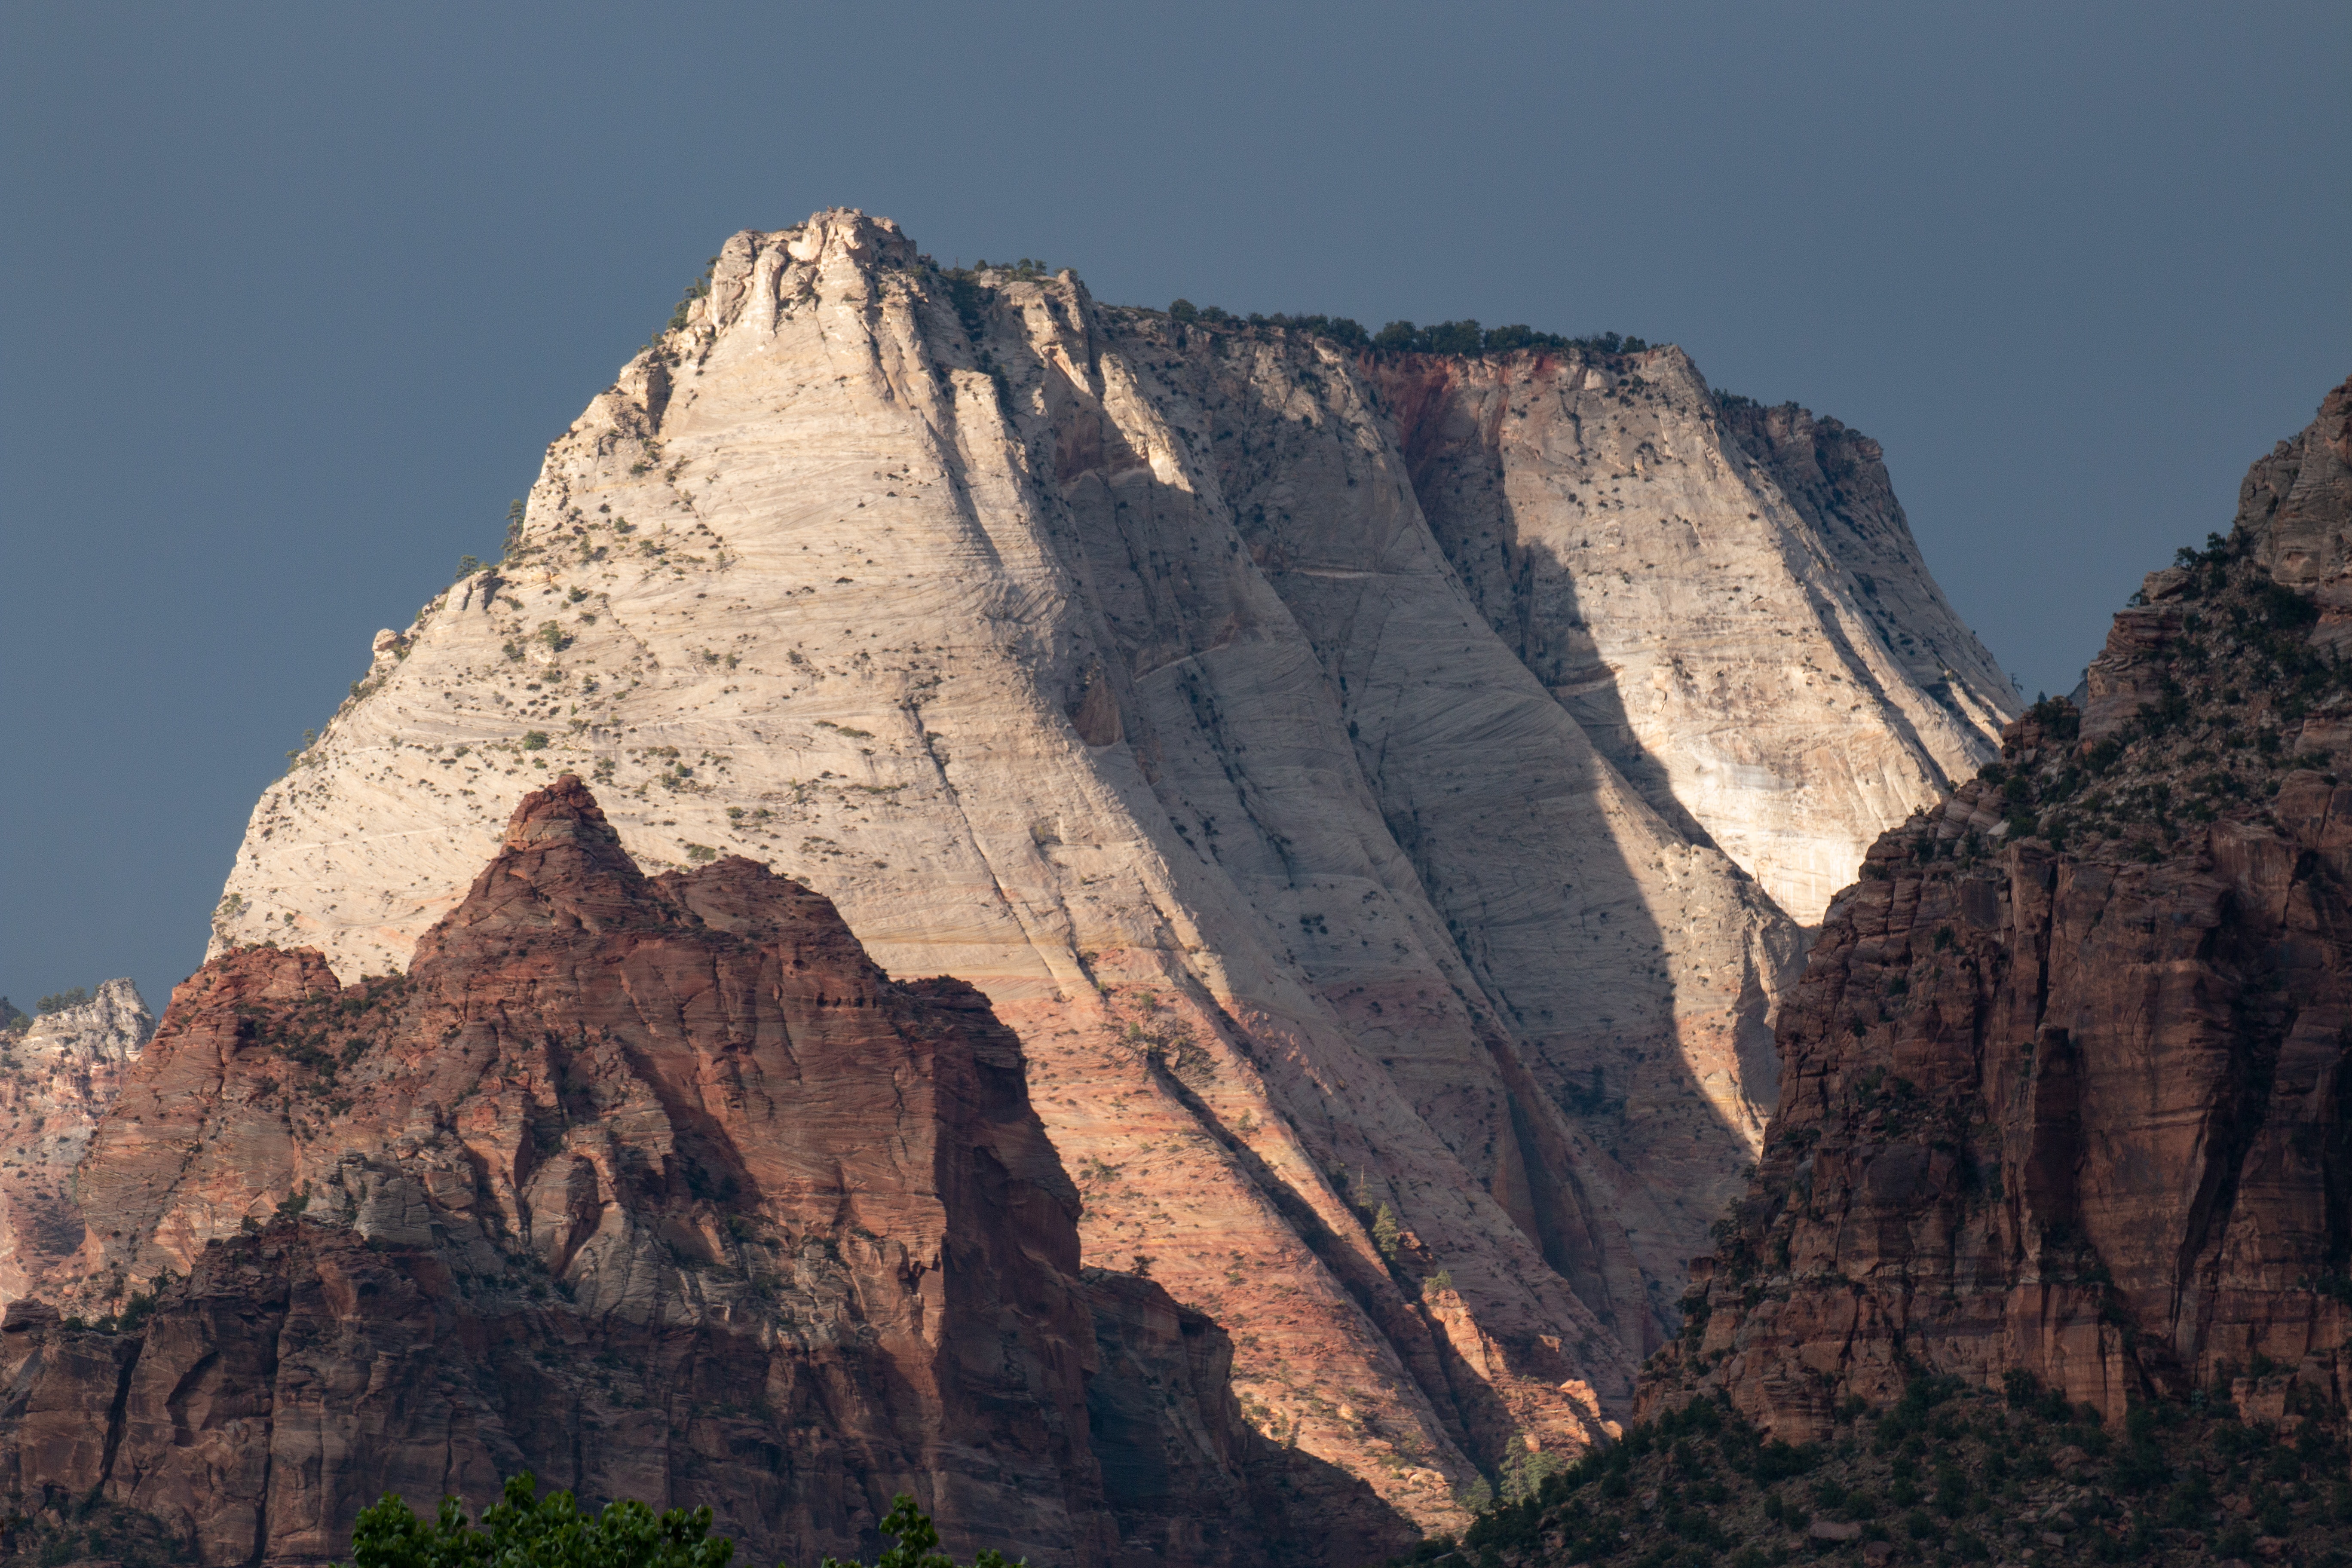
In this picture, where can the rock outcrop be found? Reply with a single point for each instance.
(656, 1188)
(1726, 596)
(58, 1073)
(2065, 1087)
(1116, 665)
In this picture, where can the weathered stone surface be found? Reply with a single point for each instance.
(58, 1075)
(1115, 666)
(1726, 598)
(658, 1187)
(2066, 1085)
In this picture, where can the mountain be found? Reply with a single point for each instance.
(2064, 1087)
(654, 1186)
(58, 1073)
(1383, 792)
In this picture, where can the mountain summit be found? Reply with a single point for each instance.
(1383, 791)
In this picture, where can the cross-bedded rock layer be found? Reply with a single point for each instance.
(659, 1188)
(1116, 665)
(2066, 1085)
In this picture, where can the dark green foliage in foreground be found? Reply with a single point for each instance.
(524, 1531)
(1948, 1475)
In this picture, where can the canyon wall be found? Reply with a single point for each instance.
(2066, 1085)
(1726, 598)
(57, 1075)
(656, 1188)
(1390, 923)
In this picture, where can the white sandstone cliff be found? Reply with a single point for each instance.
(1117, 668)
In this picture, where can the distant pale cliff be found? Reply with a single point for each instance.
(1381, 792)
(58, 1075)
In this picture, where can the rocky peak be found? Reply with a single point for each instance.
(1352, 777)
(697, 1210)
(2294, 504)
(107, 1031)
(2063, 1086)
(560, 866)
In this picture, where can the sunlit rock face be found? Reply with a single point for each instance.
(1122, 668)
(655, 1187)
(1726, 598)
(57, 1078)
(2067, 1081)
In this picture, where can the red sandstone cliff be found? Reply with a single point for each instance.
(2066, 1085)
(656, 1188)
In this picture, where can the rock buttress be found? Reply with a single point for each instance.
(654, 1186)
(2065, 1086)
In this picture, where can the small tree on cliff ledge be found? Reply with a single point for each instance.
(525, 1531)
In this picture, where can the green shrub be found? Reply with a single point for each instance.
(57, 1001)
(695, 291)
(534, 740)
(522, 1532)
(1468, 338)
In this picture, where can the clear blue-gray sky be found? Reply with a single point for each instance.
(296, 294)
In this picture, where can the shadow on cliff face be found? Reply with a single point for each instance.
(2070, 1067)
(1456, 466)
(1540, 927)
(301, 1372)
(1454, 458)
(829, 1253)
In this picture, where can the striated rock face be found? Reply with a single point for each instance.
(656, 1188)
(2065, 1084)
(57, 1078)
(1118, 667)
(1726, 598)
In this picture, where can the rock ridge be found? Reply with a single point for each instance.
(655, 1186)
(1411, 1019)
(2065, 1083)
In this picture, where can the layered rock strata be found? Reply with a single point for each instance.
(58, 1075)
(2066, 1085)
(656, 1188)
(1726, 598)
(1116, 665)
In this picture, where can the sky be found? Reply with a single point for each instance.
(296, 295)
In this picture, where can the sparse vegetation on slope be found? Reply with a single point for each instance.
(1946, 1475)
(2214, 736)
